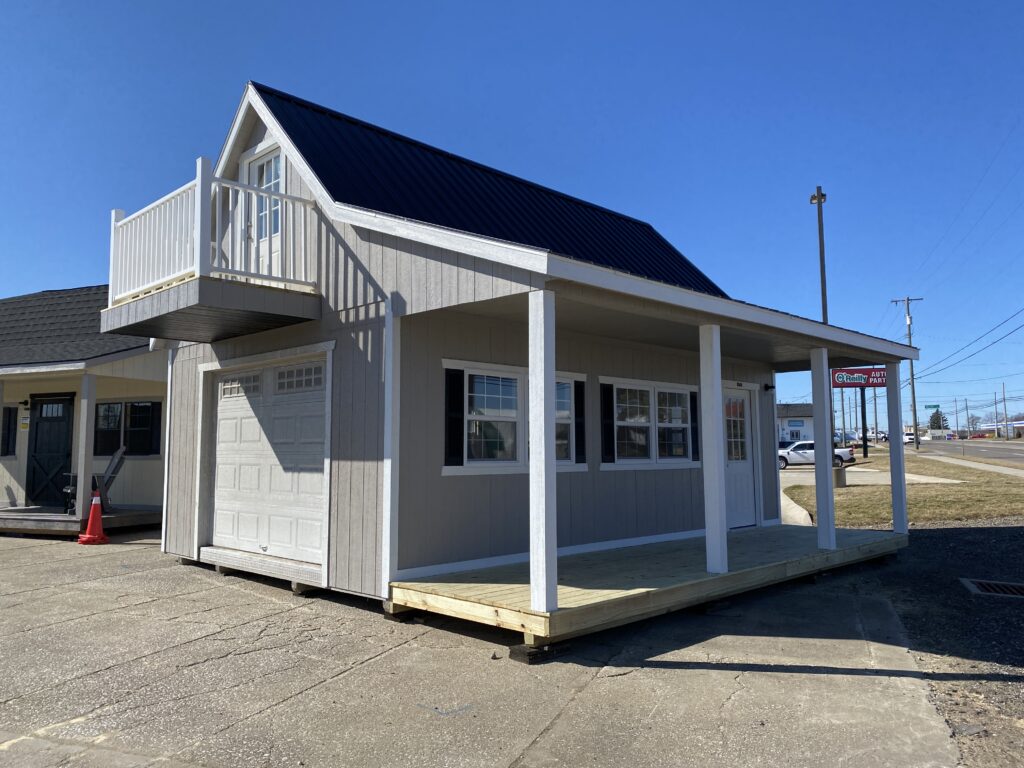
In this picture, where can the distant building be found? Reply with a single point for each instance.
(794, 421)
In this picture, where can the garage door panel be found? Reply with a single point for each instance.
(270, 454)
(250, 430)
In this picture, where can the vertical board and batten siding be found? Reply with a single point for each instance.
(359, 266)
(180, 534)
(465, 517)
(359, 269)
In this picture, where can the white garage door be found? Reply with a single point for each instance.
(269, 492)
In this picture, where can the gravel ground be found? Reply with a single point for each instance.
(970, 647)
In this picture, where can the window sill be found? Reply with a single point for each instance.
(508, 469)
(630, 464)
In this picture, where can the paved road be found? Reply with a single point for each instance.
(1003, 450)
(117, 656)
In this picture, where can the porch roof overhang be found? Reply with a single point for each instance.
(68, 367)
(632, 309)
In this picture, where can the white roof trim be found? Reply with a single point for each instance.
(491, 249)
(544, 262)
(23, 370)
(72, 365)
(601, 277)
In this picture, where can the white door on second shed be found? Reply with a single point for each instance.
(269, 492)
(739, 460)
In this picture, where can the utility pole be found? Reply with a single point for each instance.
(874, 402)
(864, 421)
(995, 414)
(905, 301)
(956, 415)
(967, 409)
(1006, 416)
(842, 404)
(818, 199)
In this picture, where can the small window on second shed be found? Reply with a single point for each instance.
(9, 431)
(296, 378)
(142, 429)
(108, 429)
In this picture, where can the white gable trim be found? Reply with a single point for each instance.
(491, 249)
(542, 261)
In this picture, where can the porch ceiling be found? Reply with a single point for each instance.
(603, 313)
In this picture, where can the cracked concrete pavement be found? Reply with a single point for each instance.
(119, 656)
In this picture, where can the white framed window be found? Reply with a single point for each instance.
(565, 418)
(494, 423)
(493, 417)
(265, 174)
(673, 424)
(652, 426)
(632, 423)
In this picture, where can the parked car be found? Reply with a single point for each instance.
(802, 452)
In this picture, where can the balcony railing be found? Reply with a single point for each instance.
(213, 227)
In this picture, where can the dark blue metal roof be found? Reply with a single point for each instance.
(365, 166)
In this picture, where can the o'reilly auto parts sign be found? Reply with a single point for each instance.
(858, 377)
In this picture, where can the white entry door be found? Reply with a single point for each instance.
(739, 460)
(269, 492)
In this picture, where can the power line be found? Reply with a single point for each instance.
(974, 190)
(972, 341)
(979, 351)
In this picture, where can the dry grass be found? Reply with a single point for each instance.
(979, 495)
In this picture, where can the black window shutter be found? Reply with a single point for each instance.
(454, 417)
(694, 430)
(154, 429)
(9, 434)
(579, 396)
(608, 423)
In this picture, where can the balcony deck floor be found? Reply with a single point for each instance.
(604, 589)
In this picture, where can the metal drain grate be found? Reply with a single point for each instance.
(994, 588)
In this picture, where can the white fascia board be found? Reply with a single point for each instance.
(42, 368)
(541, 261)
(608, 279)
(219, 168)
(491, 249)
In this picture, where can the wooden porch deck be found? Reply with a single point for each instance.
(605, 589)
(55, 521)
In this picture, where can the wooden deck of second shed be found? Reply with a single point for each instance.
(600, 590)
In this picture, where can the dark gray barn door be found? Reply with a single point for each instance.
(49, 449)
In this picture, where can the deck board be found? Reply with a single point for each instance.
(600, 589)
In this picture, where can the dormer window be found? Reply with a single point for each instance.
(265, 173)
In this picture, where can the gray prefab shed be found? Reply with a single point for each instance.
(401, 374)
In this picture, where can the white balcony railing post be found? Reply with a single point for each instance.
(201, 240)
(116, 267)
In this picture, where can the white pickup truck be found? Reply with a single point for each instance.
(802, 452)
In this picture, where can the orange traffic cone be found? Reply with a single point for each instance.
(94, 530)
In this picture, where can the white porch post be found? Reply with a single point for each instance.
(543, 498)
(202, 235)
(821, 397)
(897, 472)
(712, 450)
(86, 432)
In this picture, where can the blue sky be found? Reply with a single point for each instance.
(713, 121)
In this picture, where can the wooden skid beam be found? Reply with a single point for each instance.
(506, 618)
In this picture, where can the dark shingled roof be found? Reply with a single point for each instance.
(58, 327)
(794, 410)
(368, 167)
